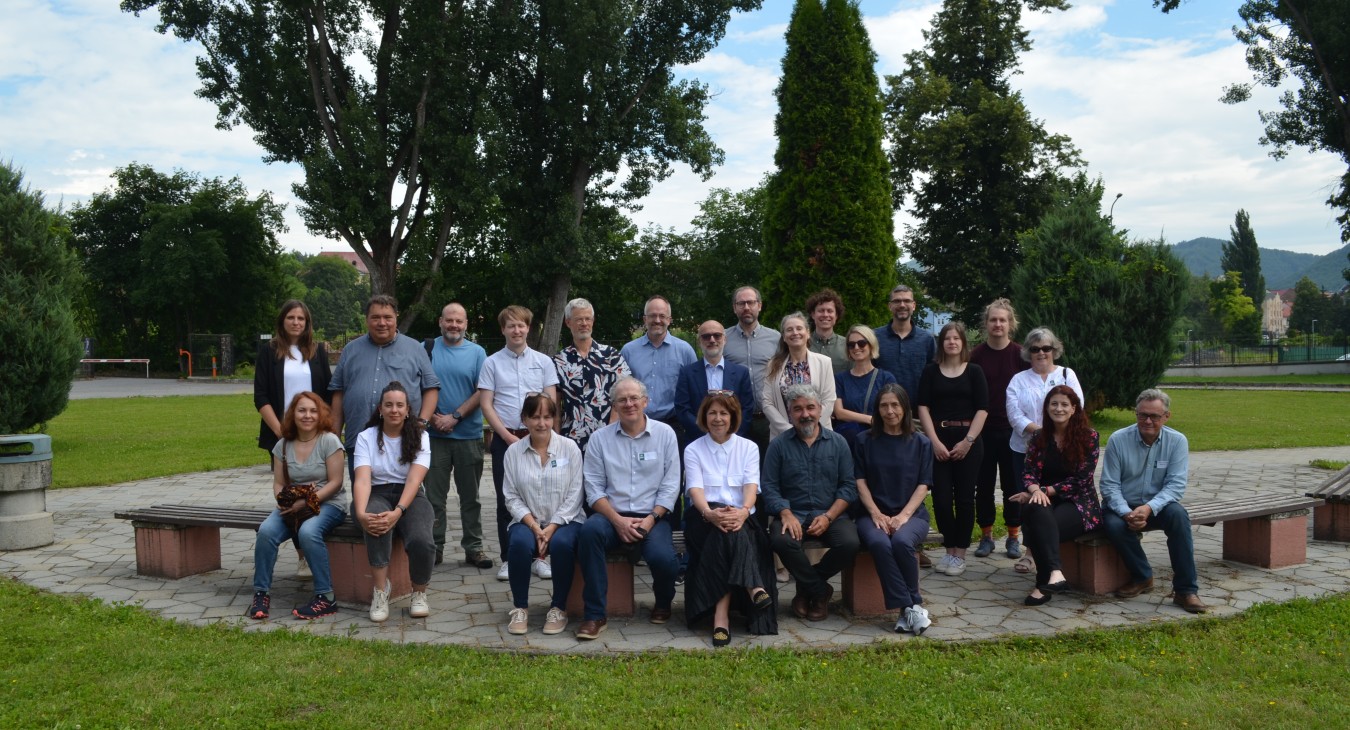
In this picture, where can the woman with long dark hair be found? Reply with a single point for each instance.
(288, 364)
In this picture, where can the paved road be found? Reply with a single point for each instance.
(84, 388)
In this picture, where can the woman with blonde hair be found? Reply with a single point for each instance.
(792, 364)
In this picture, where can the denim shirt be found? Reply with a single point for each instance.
(1134, 473)
(905, 358)
(808, 479)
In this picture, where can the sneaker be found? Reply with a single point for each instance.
(419, 608)
(555, 621)
(379, 604)
(541, 568)
(956, 566)
(902, 622)
(986, 547)
(302, 571)
(944, 562)
(918, 619)
(320, 606)
(258, 609)
(1013, 547)
(504, 572)
(519, 621)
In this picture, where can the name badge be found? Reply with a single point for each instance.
(1162, 464)
(556, 463)
(646, 456)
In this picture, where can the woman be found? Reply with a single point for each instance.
(794, 363)
(1024, 399)
(392, 456)
(858, 387)
(542, 486)
(894, 469)
(1000, 358)
(308, 453)
(729, 552)
(953, 405)
(1060, 501)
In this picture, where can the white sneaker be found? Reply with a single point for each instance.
(504, 572)
(956, 566)
(918, 619)
(419, 608)
(941, 564)
(542, 569)
(379, 604)
(902, 622)
(302, 571)
(518, 621)
(555, 621)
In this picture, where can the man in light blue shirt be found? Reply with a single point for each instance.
(656, 358)
(1144, 477)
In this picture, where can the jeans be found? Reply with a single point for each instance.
(465, 458)
(274, 531)
(562, 553)
(598, 537)
(894, 555)
(414, 526)
(1000, 462)
(841, 537)
(1176, 523)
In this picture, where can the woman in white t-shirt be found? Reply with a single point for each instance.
(391, 460)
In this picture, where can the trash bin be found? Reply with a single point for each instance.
(25, 474)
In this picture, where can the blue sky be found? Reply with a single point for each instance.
(85, 88)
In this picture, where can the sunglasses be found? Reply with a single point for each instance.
(857, 344)
(1040, 348)
(710, 335)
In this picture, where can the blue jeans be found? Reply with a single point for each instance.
(1176, 523)
(598, 537)
(274, 531)
(562, 552)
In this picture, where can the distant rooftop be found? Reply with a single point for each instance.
(351, 258)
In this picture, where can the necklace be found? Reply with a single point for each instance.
(305, 441)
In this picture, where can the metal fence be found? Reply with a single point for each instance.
(1195, 353)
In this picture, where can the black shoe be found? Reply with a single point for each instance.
(1034, 601)
(1057, 587)
(721, 637)
(761, 599)
(440, 555)
(258, 609)
(679, 578)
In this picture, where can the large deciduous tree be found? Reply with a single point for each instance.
(967, 153)
(828, 221)
(335, 294)
(1236, 313)
(1241, 254)
(1310, 303)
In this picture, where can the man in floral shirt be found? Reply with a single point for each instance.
(586, 372)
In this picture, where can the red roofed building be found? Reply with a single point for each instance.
(351, 258)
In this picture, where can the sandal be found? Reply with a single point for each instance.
(1025, 565)
(761, 599)
(721, 636)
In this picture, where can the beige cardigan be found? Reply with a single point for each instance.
(771, 397)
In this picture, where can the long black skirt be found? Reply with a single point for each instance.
(734, 562)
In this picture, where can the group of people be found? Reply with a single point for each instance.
(769, 444)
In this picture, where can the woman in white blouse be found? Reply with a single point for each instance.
(543, 490)
(794, 363)
(729, 558)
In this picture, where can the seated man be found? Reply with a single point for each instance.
(632, 474)
(1143, 478)
(808, 486)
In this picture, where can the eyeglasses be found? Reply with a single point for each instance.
(1149, 417)
(857, 344)
(726, 393)
(628, 400)
(902, 301)
(656, 317)
(1041, 348)
(710, 335)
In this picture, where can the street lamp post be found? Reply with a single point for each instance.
(1111, 214)
(1190, 346)
(1312, 340)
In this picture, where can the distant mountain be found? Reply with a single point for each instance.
(1282, 269)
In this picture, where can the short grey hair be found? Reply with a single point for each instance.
(614, 389)
(801, 390)
(904, 287)
(1038, 335)
(1154, 394)
(758, 297)
(574, 305)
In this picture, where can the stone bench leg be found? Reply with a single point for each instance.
(619, 601)
(1331, 522)
(175, 551)
(862, 586)
(353, 582)
(1093, 566)
(1274, 541)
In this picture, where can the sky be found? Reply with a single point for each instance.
(85, 89)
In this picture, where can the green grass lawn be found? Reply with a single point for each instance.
(1287, 379)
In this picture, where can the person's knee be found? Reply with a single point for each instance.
(1174, 517)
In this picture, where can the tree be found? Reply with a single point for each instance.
(978, 169)
(335, 294)
(828, 221)
(1310, 303)
(1113, 303)
(1241, 254)
(38, 278)
(1235, 311)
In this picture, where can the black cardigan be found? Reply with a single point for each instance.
(269, 388)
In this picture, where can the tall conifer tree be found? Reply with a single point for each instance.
(1242, 255)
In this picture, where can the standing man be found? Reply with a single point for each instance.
(808, 487)
(752, 344)
(1000, 358)
(656, 358)
(712, 372)
(905, 348)
(586, 371)
(1144, 477)
(826, 309)
(632, 474)
(371, 362)
(457, 434)
(509, 376)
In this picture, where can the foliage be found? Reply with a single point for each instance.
(1331, 464)
(1080, 278)
(335, 294)
(964, 148)
(1234, 310)
(1310, 303)
(1241, 254)
(828, 221)
(1197, 321)
(169, 255)
(39, 346)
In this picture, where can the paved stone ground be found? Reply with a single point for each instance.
(94, 555)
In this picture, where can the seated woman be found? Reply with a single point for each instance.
(392, 456)
(893, 464)
(308, 453)
(1060, 501)
(729, 558)
(543, 491)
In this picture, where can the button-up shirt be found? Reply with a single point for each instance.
(550, 491)
(722, 470)
(833, 347)
(512, 378)
(365, 368)
(635, 473)
(658, 367)
(754, 351)
(714, 373)
(808, 479)
(1134, 473)
(583, 387)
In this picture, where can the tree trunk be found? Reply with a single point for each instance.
(562, 281)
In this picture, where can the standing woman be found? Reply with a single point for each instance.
(543, 490)
(953, 405)
(1025, 398)
(858, 387)
(1061, 496)
(309, 454)
(1000, 358)
(392, 456)
(794, 363)
(894, 468)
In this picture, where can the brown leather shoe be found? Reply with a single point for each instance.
(660, 615)
(1134, 588)
(819, 608)
(590, 629)
(924, 562)
(800, 605)
(1190, 602)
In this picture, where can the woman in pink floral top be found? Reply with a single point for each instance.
(1060, 501)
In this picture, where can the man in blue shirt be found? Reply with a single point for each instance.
(1144, 477)
(656, 358)
(904, 348)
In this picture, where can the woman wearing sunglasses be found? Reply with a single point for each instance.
(859, 386)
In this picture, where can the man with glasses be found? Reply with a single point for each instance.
(752, 344)
(656, 358)
(1144, 477)
(712, 374)
(904, 349)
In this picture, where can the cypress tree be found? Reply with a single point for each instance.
(1241, 254)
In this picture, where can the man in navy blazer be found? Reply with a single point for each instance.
(694, 382)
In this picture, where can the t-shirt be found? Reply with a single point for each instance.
(458, 368)
(999, 367)
(854, 393)
(894, 466)
(314, 470)
(384, 465)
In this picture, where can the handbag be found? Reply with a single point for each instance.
(289, 494)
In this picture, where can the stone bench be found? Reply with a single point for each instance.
(1331, 520)
(861, 584)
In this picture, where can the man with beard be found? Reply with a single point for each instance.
(905, 348)
(712, 373)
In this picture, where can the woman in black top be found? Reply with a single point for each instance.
(290, 363)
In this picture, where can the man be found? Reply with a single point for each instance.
(509, 376)
(999, 358)
(751, 344)
(371, 362)
(457, 434)
(808, 487)
(632, 474)
(826, 309)
(586, 371)
(713, 372)
(905, 349)
(656, 358)
(1143, 479)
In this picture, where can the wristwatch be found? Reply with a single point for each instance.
(970, 439)
(456, 416)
